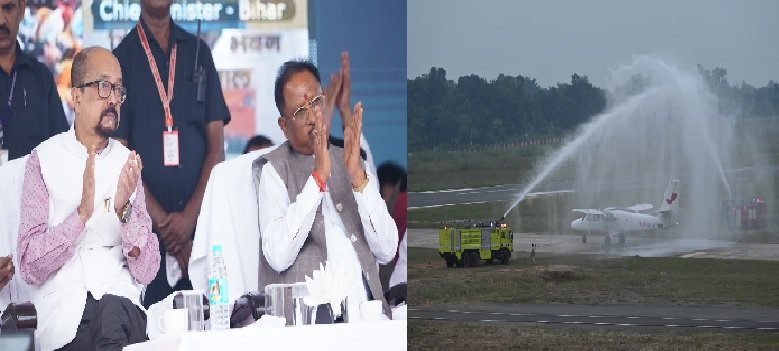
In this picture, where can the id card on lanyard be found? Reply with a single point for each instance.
(170, 137)
(4, 117)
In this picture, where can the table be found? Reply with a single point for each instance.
(379, 335)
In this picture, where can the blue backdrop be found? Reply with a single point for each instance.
(374, 33)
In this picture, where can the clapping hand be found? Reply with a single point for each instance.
(87, 205)
(128, 180)
(319, 141)
(352, 160)
(344, 95)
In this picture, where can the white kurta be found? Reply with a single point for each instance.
(285, 225)
(98, 265)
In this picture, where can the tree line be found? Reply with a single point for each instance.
(444, 114)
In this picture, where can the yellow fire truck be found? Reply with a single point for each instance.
(466, 245)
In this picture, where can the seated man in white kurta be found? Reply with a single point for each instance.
(319, 202)
(85, 242)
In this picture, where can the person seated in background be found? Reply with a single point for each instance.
(392, 185)
(257, 142)
(85, 241)
(316, 201)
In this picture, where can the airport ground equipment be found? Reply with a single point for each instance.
(467, 245)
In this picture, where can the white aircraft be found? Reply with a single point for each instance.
(618, 221)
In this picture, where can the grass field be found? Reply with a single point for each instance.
(450, 170)
(441, 335)
(430, 170)
(588, 280)
(575, 279)
(666, 281)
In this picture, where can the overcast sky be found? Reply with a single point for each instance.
(551, 39)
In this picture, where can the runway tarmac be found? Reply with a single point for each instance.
(644, 246)
(509, 192)
(637, 318)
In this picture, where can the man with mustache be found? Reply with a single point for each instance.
(174, 117)
(85, 243)
(319, 202)
(30, 108)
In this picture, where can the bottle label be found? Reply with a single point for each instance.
(218, 289)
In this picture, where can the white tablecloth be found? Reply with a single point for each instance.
(381, 335)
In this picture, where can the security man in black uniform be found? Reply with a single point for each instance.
(30, 107)
(174, 117)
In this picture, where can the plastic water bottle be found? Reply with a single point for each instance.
(217, 287)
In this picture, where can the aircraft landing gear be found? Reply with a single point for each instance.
(607, 241)
(584, 238)
(621, 239)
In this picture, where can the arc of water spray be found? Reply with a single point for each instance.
(710, 147)
(555, 160)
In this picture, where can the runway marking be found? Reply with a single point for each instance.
(442, 205)
(484, 192)
(602, 323)
(446, 191)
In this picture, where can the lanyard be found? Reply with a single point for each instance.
(11, 92)
(164, 98)
(6, 112)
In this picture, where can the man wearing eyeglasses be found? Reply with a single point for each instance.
(30, 108)
(85, 242)
(174, 117)
(319, 202)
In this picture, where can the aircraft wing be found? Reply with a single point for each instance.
(588, 211)
(640, 207)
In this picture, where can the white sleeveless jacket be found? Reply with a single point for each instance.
(98, 265)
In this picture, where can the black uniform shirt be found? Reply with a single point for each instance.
(143, 119)
(36, 109)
